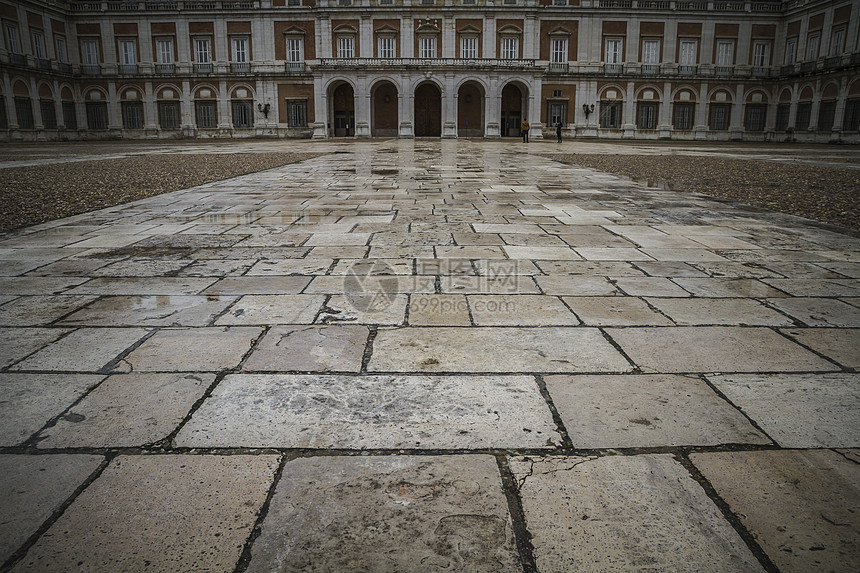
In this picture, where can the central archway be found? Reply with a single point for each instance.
(470, 110)
(384, 121)
(428, 111)
(513, 112)
(343, 110)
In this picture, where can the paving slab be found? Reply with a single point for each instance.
(38, 310)
(258, 285)
(500, 284)
(799, 410)
(34, 487)
(387, 514)
(817, 287)
(624, 513)
(178, 512)
(719, 311)
(127, 410)
(714, 349)
(84, 350)
(637, 411)
(142, 286)
(333, 348)
(649, 286)
(151, 310)
(803, 507)
(520, 310)
(31, 400)
(576, 285)
(819, 311)
(208, 349)
(16, 343)
(494, 349)
(840, 345)
(366, 412)
(40, 285)
(438, 310)
(286, 267)
(728, 287)
(273, 309)
(615, 311)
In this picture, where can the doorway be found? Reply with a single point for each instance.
(343, 106)
(470, 111)
(428, 111)
(512, 110)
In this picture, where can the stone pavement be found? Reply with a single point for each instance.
(429, 356)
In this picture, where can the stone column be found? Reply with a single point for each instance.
(320, 123)
(493, 108)
(449, 106)
(534, 109)
(365, 37)
(407, 37)
(406, 107)
(362, 107)
(629, 128)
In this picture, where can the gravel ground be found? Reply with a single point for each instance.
(827, 194)
(30, 195)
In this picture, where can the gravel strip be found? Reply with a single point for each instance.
(826, 194)
(31, 195)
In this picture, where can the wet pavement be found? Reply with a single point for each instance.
(430, 356)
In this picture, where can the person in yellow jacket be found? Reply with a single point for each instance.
(524, 129)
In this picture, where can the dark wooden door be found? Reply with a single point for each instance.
(428, 111)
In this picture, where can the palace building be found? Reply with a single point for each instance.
(742, 70)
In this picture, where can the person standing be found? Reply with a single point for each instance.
(558, 131)
(524, 129)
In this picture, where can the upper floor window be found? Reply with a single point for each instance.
(427, 47)
(812, 47)
(164, 50)
(346, 47)
(558, 50)
(761, 54)
(294, 3)
(790, 51)
(651, 52)
(240, 50)
(62, 52)
(12, 42)
(510, 48)
(127, 52)
(39, 45)
(688, 53)
(387, 47)
(613, 50)
(725, 52)
(469, 47)
(295, 50)
(203, 50)
(837, 41)
(90, 52)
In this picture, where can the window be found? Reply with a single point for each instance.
(613, 50)
(240, 55)
(719, 117)
(761, 54)
(243, 113)
(510, 48)
(205, 111)
(164, 55)
(682, 116)
(132, 115)
(557, 112)
(70, 115)
(725, 55)
(128, 57)
(610, 114)
(812, 47)
(804, 113)
(12, 41)
(24, 112)
(168, 114)
(688, 56)
(837, 41)
(646, 115)
(754, 117)
(90, 52)
(790, 51)
(469, 47)
(782, 112)
(96, 115)
(346, 47)
(651, 51)
(851, 120)
(49, 113)
(826, 115)
(297, 112)
(39, 45)
(203, 52)
(294, 3)
(427, 47)
(62, 52)
(558, 51)
(295, 50)
(387, 48)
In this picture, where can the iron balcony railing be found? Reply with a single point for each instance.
(422, 63)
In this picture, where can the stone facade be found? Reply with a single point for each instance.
(636, 69)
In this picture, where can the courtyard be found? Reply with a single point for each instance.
(431, 355)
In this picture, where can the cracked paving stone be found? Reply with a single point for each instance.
(16, 343)
(624, 513)
(152, 310)
(273, 309)
(84, 350)
(387, 515)
(366, 412)
(177, 512)
(839, 344)
(191, 350)
(37, 310)
(802, 507)
(334, 348)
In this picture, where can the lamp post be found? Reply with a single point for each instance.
(264, 108)
(588, 109)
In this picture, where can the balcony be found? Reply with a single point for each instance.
(240, 67)
(161, 5)
(127, 69)
(833, 62)
(687, 70)
(724, 71)
(44, 64)
(808, 67)
(558, 67)
(788, 70)
(423, 64)
(18, 59)
(164, 69)
(295, 67)
(613, 69)
(64, 67)
(203, 68)
(760, 72)
(91, 69)
(651, 69)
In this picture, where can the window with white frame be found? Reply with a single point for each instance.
(812, 47)
(90, 54)
(297, 112)
(240, 50)
(510, 48)
(610, 114)
(837, 41)
(469, 47)
(651, 51)
(558, 50)
(164, 51)
(613, 50)
(39, 45)
(646, 115)
(688, 53)
(243, 113)
(682, 115)
(386, 47)
(205, 112)
(295, 50)
(203, 50)
(62, 52)
(427, 47)
(557, 112)
(725, 56)
(345, 47)
(761, 54)
(790, 51)
(13, 44)
(127, 52)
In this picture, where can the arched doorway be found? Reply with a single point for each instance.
(428, 111)
(470, 110)
(513, 113)
(343, 110)
(384, 121)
